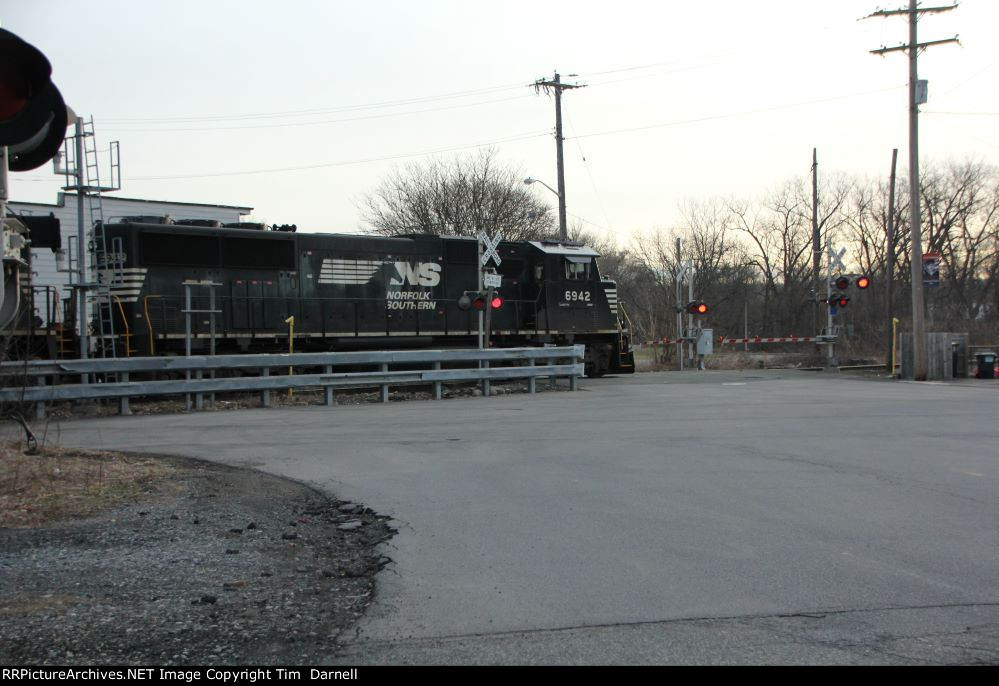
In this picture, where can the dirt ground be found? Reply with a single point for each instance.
(117, 559)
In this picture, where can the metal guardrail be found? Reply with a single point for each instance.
(519, 363)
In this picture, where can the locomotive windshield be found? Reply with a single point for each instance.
(577, 268)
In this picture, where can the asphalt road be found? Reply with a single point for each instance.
(705, 517)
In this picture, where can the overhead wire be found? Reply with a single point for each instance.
(589, 173)
(741, 113)
(345, 163)
(315, 111)
(317, 123)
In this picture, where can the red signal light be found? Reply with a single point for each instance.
(842, 283)
(496, 302)
(697, 307)
(14, 92)
(842, 301)
(863, 282)
(479, 302)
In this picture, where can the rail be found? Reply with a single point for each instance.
(40, 382)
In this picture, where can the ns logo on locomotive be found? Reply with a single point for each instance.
(350, 292)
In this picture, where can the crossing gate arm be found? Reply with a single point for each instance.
(760, 339)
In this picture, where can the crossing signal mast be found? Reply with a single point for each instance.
(838, 296)
(698, 339)
(33, 121)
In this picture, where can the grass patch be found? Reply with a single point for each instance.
(61, 483)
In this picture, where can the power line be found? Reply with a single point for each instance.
(730, 115)
(326, 110)
(589, 173)
(963, 114)
(344, 163)
(316, 123)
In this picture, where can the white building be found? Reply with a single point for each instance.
(44, 272)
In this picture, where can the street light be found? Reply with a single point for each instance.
(563, 233)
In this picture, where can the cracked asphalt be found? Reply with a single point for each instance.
(697, 518)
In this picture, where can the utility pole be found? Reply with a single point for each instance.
(890, 261)
(816, 242)
(917, 96)
(557, 86)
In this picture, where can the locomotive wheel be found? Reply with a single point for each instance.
(594, 362)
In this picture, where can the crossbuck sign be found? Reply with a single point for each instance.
(836, 260)
(489, 246)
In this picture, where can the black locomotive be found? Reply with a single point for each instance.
(346, 292)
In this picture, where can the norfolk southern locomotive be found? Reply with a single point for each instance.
(350, 291)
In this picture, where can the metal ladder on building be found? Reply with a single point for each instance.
(107, 259)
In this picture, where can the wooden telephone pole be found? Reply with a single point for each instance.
(556, 86)
(917, 96)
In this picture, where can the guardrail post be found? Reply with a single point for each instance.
(486, 387)
(438, 389)
(199, 398)
(40, 405)
(328, 390)
(385, 388)
(265, 395)
(552, 380)
(123, 409)
(573, 379)
(532, 381)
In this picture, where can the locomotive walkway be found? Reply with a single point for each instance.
(680, 518)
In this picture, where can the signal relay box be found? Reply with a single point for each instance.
(705, 342)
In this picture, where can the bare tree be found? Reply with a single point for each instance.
(458, 197)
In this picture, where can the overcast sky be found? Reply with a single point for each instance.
(297, 108)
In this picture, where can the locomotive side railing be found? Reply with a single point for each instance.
(255, 317)
(41, 382)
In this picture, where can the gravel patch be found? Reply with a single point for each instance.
(210, 565)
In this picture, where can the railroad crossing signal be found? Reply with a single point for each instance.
(479, 300)
(33, 116)
(697, 307)
(489, 246)
(838, 300)
(841, 286)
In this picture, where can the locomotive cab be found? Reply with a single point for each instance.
(581, 307)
